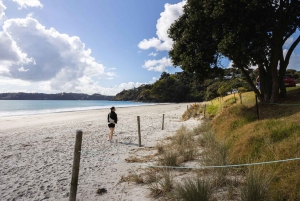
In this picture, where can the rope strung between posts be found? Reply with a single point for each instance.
(217, 166)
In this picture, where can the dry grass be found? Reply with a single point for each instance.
(193, 190)
(160, 148)
(163, 185)
(275, 136)
(194, 110)
(141, 159)
(256, 187)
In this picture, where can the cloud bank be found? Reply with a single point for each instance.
(29, 51)
(162, 42)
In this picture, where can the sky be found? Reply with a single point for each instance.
(88, 46)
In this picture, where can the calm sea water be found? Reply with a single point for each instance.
(31, 107)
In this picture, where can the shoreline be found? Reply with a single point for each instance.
(75, 109)
(38, 151)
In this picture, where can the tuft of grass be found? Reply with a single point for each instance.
(168, 158)
(187, 152)
(256, 187)
(193, 190)
(202, 128)
(160, 148)
(162, 186)
(182, 137)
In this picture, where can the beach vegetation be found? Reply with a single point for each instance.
(256, 186)
(163, 185)
(193, 190)
(275, 136)
(160, 148)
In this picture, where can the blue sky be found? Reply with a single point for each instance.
(86, 46)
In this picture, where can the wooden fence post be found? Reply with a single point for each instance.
(139, 130)
(76, 163)
(241, 98)
(163, 122)
(257, 109)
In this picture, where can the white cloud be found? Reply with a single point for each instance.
(147, 44)
(2, 8)
(158, 65)
(154, 54)
(167, 17)
(28, 3)
(29, 51)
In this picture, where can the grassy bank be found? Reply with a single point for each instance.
(275, 136)
(229, 133)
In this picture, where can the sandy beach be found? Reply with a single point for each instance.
(37, 152)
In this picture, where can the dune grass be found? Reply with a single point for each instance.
(275, 136)
(230, 133)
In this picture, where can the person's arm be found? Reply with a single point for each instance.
(116, 120)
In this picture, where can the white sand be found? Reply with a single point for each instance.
(37, 152)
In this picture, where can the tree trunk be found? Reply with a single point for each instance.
(250, 82)
(275, 86)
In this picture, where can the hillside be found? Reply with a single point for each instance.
(60, 96)
(183, 87)
(246, 139)
(187, 87)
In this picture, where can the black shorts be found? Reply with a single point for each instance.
(111, 125)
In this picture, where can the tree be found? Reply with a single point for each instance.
(248, 32)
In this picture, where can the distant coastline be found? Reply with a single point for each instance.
(58, 96)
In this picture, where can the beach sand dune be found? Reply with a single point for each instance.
(37, 152)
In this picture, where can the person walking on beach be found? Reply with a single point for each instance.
(112, 121)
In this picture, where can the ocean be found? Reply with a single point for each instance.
(32, 107)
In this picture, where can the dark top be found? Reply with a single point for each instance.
(113, 116)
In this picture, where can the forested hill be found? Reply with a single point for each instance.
(60, 96)
(179, 87)
(185, 87)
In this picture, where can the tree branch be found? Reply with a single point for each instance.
(289, 53)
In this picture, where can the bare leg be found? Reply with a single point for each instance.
(111, 133)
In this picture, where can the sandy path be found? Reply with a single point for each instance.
(37, 152)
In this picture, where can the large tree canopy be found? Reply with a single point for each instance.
(248, 32)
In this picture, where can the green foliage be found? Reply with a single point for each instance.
(246, 32)
(212, 109)
(222, 91)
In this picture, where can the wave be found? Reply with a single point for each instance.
(74, 109)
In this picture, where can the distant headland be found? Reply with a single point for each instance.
(59, 96)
